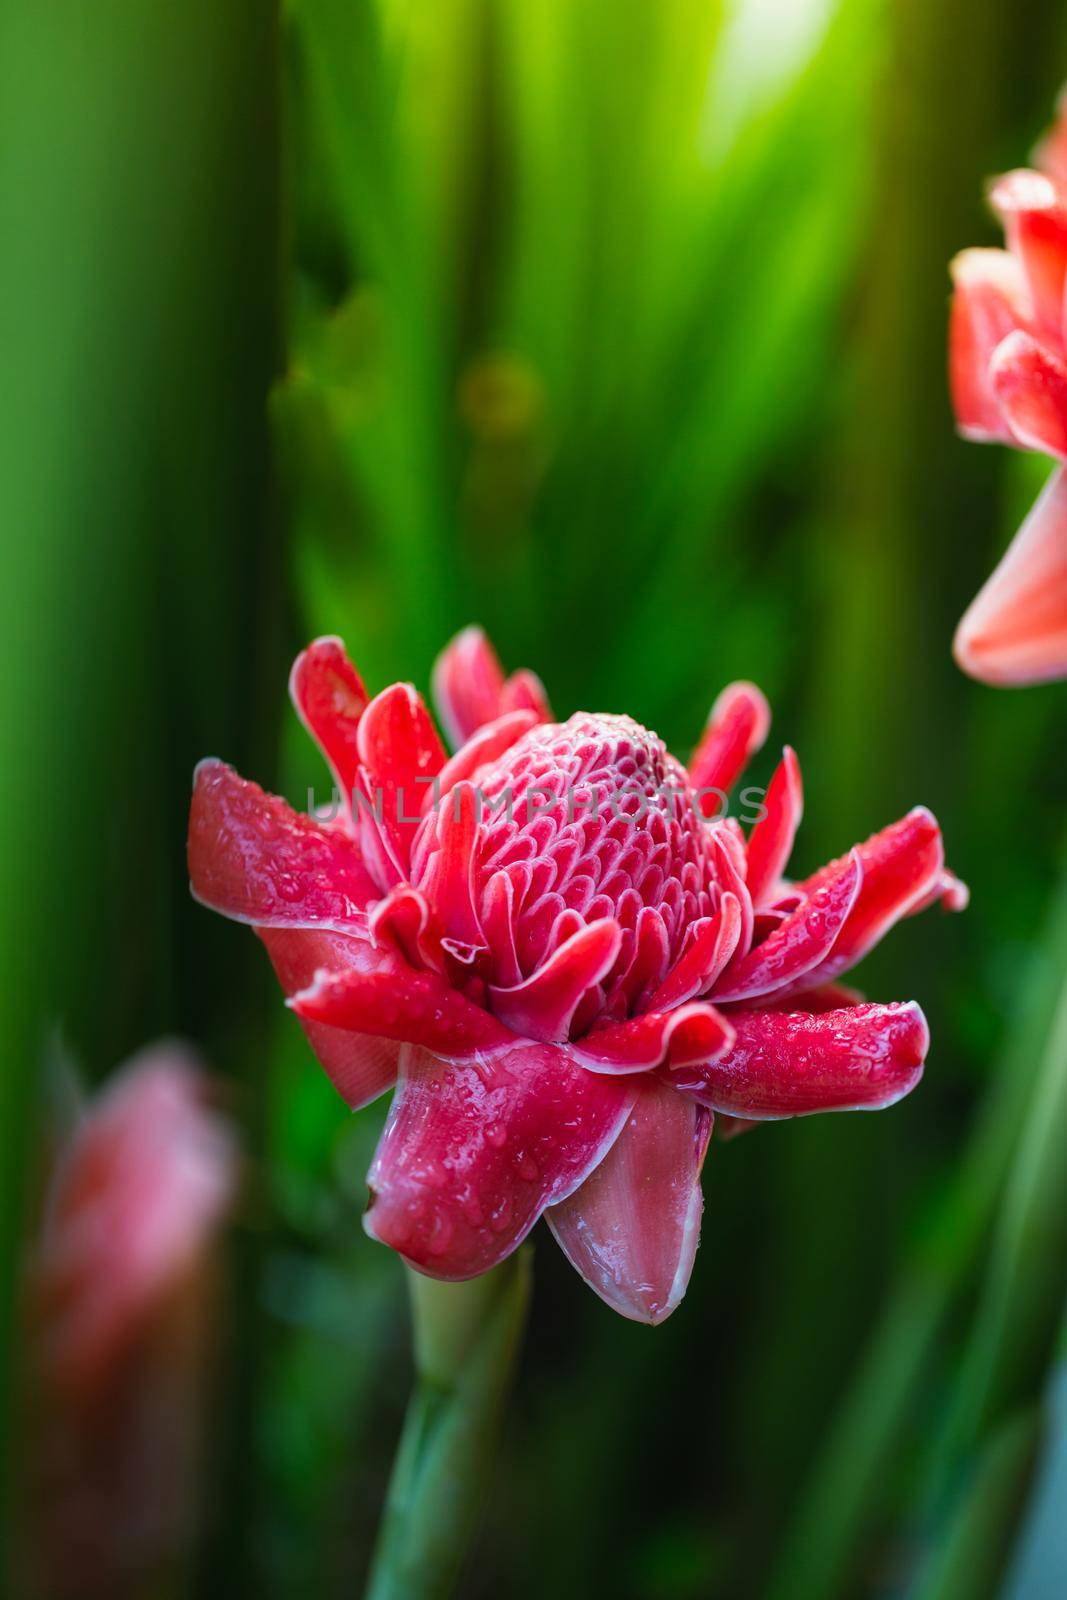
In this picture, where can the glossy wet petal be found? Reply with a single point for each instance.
(902, 865)
(801, 943)
(473, 1152)
(255, 859)
(633, 1227)
(791, 1064)
(693, 1032)
(393, 1001)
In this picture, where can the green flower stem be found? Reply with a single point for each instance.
(467, 1338)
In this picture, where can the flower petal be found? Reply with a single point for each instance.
(801, 943)
(633, 1227)
(704, 958)
(472, 1153)
(361, 1066)
(901, 866)
(255, 859)
(543, 1006)
(693, 1032)
(1035, 221)
(401, 753)
(737, 725)
(443, 864)
(393, 1001)
(1015, 631)
(329, 697)
(790, 1064)
(469, 687)
(771, 840)
(990, 300)
(1030, 384)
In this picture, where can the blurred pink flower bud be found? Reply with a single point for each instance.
(121, 1310)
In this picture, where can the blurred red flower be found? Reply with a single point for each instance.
(121, 1302)
(567, 964)
(1008, 374)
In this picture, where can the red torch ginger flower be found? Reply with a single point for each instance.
(1008, 372)
(120, 1297)
(565, 961)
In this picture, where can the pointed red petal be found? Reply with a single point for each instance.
(704, 958)
(329, 696)
(632, 1228)
(1035, 221)
(738, 724)
(403, 922)
(694, 1032)
(400, 750)
(990, 301)
(469, 688)
(901, 866)
(444, 864)
(771, 840)
(255, 859)
(1030, 384)
(472, 1153)
(393, 1001)
(361, 1066)
(543, 1006)
(801, 943)
(1015, 632)
(789, 1064)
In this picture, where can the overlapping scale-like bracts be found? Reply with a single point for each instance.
(566, 959)
(1008, 373)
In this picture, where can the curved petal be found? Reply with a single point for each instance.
(329, 697)
(543, 1006)
(790, 1064)
(801, 943)
(360, 1065)
(469, 687)
(737, 725)
(902, 865)
(1035, 221)
(393, 1001)
(1030, 384)
(401, 754)
(704, 958)
(633, 1227)
(1015, 632)
(472, 1153)
(771, 840)
(990, 300)
(694, 1032)
(443, 864)
(255, 859)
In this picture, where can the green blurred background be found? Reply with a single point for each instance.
(618, 326)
